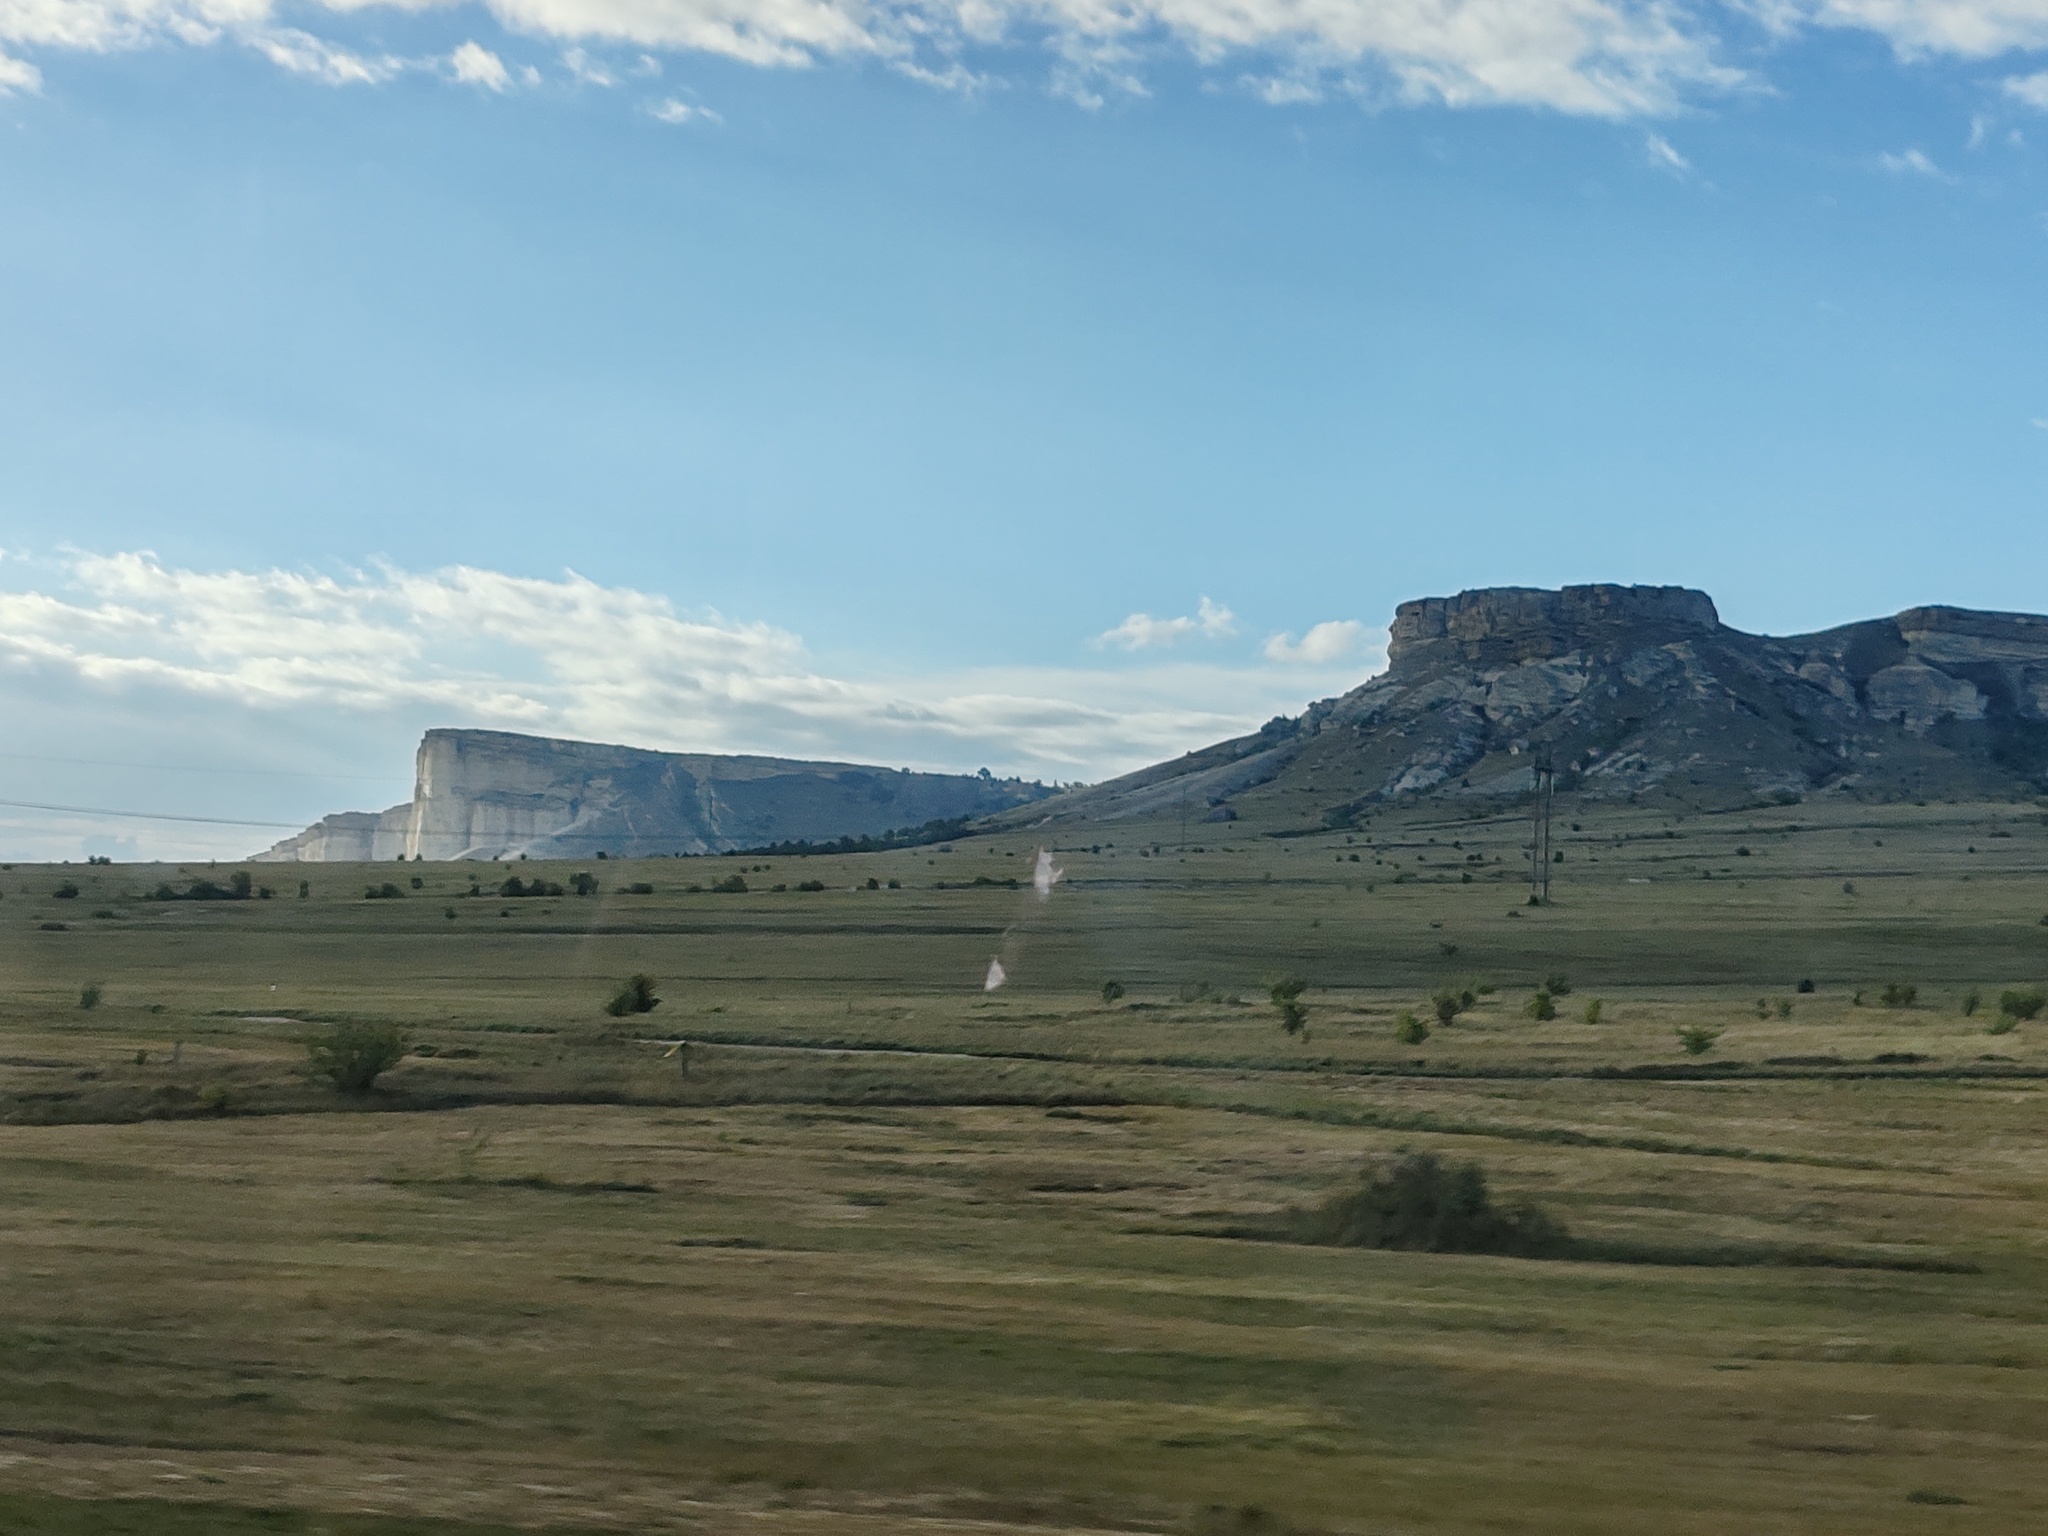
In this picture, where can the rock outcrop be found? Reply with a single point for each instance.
(1633, 692)
(494, 794)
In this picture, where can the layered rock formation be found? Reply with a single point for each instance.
(494, 794)
(1639, 691)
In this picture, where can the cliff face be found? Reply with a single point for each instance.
(1640, 691)
(494, 794)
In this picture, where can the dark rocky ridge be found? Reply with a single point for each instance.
(1636, 693)
(496, 794)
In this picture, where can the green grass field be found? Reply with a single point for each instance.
(881, 1251)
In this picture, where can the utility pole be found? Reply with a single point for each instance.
(1539, 814)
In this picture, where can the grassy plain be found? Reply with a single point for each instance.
(880, 1251)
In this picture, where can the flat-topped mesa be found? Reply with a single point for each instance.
(1508, 626)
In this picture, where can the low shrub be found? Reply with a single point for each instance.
(1112, 990)
(583, 883)
(1286, 994)
(385, 892)
(66, 892)
(1448, 1002)
(89, 996)
(1540, 1006)
(644, 888)
(1899, 994)
(1594, 1010)
(2004, 1024)
(731, 885)
(1557, 984)
(354, 1056)
(2022, 1002)
(1422, 1204)
(1698, 1039)
(1972, 1001)
(1410, 1030)
(634, 995)
(810, 885)
(1805, 985)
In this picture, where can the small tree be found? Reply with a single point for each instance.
(89, 996)
(2022, 1002)
(1593, 1011)
(1899, 994)
(1972, 1001)
(1447, 1003)
(354, 1056)
(731, 885)
(1540, 1007)
(1112, 990)
(1410, 1030)
(583, 883)
(634, 995)
(1697, 1039)
(1557, 984)
(1286, 995)
(66, 892)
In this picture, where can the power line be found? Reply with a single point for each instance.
(93, 810)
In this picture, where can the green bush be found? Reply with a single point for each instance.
(2022, 1002)
(1410, 1030)
(1422, 1204)
(1698, 1039)
(2004, 1024)
(1899, 994)
(89, 996)
(1448, 1002)
(810, 885)
(1594, 1010)
(583, 883)
(66, 892)
(1286, 994)
(645, 888)
(385, 892)
(634, 995)
(354, 1056)
(1112, 990)
(1972, 1001)
(1540, 1006)
(1557, 984)
(731, 885)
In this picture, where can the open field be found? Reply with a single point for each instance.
(882, 1252)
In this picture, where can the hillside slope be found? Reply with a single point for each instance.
(1638, 694)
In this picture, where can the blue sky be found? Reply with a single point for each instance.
(900, 382)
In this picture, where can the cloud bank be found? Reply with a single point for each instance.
(121, 652)
(1602, 58)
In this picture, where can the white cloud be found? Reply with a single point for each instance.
(1598, 57)
(2031, 89)
(1968, 29)
(1663, 156)
(1610, 58)
(475, 64)
(264, 655)
(1326, 642)
(18, 75)
(303, 54)
(1911, 163)
(586, 69)
(1142, 632)
(673, 111)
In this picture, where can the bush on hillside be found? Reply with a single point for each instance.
(1557, 984)
(731, 885)
(1698, 1039)
(1540, 1006)
(2022, 1002)
(634, 995)
(1410, 1030)
(1112, 990)
(1899, 994)
(1286, 995)
(1425, 1205)
(354, 1056)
